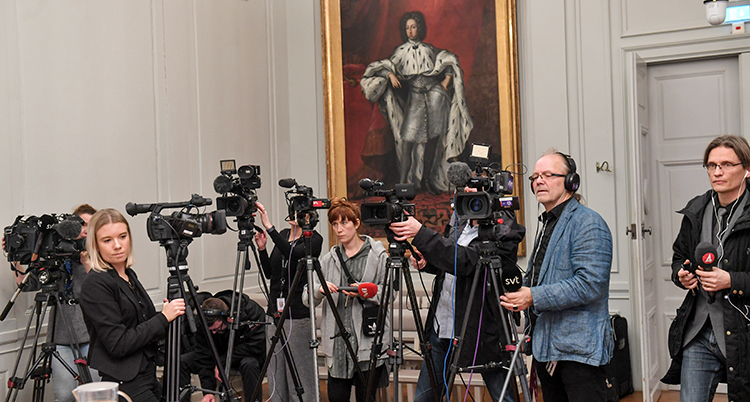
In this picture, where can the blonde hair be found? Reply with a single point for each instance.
(101, 218)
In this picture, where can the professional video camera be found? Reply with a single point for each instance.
(180, 224)
(302, 203)
(492, 183)
(52, 237)
(242, 202)
(393, 209)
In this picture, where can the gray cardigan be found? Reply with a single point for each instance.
(374, 272)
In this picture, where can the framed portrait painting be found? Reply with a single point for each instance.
(409, 86)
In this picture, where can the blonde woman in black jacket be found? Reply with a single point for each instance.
(122, 322)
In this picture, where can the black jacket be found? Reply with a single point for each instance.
(439, 253)
(122, 331)
(249, 340)
(737, 263)
(273, 268)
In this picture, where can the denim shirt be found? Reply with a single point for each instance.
(572, 295)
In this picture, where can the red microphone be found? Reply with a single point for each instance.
(365, 290)
(705, 256)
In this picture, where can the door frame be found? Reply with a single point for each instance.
(649, 55)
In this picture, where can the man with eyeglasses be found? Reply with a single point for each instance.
(709, 339)
(566, 288)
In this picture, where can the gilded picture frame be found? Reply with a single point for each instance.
(503, 128)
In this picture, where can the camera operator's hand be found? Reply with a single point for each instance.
(173, 309)
(331, 288)
(406, 229)
(417, 265)
(261, 239)
(517, 301)
(687, 279)
(264, 216)
(208, 398)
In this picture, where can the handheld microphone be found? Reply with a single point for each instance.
(222, 184)
(287, 183)
(68, 229)
(705, 256)
(512, 278)
(368, 184)
(459, 174)
(366, 289)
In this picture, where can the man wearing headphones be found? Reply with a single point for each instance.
(709, 339)
(249, 350)
(566, 287)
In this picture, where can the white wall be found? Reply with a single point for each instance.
(123, 101)
(118, 101)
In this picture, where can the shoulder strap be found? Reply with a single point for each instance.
(349, 276)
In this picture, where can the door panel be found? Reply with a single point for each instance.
(689, 103)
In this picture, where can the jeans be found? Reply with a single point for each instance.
(493, 380)
(702, 367)
(63, 382)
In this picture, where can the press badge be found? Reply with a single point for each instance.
(280, 304)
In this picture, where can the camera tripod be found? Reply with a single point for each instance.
(38, 368)
(178, 281)
(396, 261)
(312, 266)
(490, 265)
(246, 231)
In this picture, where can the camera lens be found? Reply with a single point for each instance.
(476, 204)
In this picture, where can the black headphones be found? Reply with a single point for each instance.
(214, 313)
(572, 179)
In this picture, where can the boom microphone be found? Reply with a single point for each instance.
(368, 184)
(366, 289)
(459, 174)
(705, 256)
(287, 183)
(512, 278)
(68, 229)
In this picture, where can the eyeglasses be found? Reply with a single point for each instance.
(710, 167)
(546, 176)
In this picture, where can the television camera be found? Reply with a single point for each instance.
(493, 187)
(394, 208)
(302, 204)
(182, 224)
(238, 193)
(46, 240)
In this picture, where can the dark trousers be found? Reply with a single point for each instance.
(143, 388)
(339, 390)
(572, 382)
(249, 368)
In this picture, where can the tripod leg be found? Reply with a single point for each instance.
(511, 335)
(377, 342)
(424, 343)
(277, 335)
(459, 341)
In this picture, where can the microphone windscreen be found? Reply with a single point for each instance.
(222, 184)
(512, 278)
(705, 255)
(368, 184)
(459, 174)
(287, 183)
(134, 209)
(69, 229)
(368, 289)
